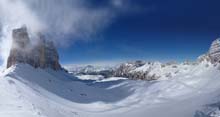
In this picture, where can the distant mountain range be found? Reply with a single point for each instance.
(148, 70)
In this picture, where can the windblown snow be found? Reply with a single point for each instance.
(29, 92)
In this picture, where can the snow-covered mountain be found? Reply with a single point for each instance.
(88, 69)
(29, 92)
(213, 55)
(152, 70)
(137, 70)
(214, 51)
(173, 90)
(147, 70)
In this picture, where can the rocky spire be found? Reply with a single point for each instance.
(214, 51)
(43, 54)
(213, 55)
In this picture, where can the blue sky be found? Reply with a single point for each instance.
(160, 30)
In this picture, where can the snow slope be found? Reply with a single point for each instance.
(29, 92)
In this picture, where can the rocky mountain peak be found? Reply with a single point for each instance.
(213, 55)
(42, 55)
(214, 51)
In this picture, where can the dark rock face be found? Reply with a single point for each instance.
(43, 54)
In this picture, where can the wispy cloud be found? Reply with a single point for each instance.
(58, 19)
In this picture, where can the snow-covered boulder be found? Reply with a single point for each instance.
(43, 54)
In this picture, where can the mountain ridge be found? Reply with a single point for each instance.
(142, 70)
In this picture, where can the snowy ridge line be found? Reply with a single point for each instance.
(140, 89)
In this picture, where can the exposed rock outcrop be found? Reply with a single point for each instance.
(214, 51)
(42, 55)
(140, 70)
(213, 55)
(127, 70)
(154, 70)
(137, 70)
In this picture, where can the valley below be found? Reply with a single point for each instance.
(27, 92)
(35, 84)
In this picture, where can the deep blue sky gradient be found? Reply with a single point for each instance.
(164, 30)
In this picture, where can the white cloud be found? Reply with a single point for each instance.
(56, 18)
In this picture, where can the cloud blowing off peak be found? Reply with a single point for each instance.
(55, 18)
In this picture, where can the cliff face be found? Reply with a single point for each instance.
(214, 51)
(43, 54)
(213, 55)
